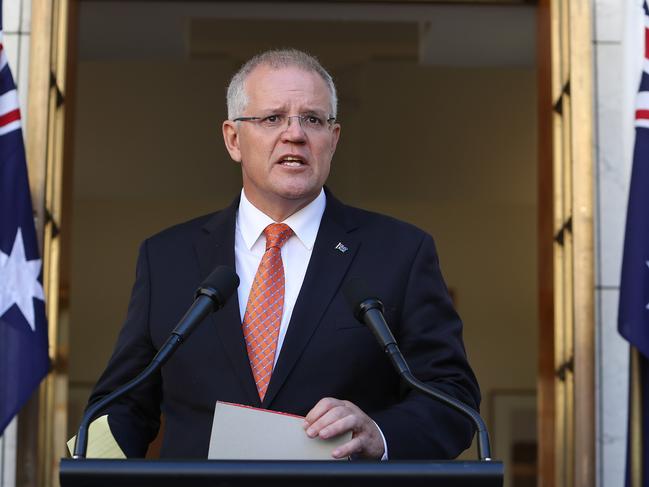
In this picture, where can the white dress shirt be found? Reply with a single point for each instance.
(249, 248)
(250, 245)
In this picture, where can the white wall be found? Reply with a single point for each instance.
(618, 49)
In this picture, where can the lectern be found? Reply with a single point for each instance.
(213, 473)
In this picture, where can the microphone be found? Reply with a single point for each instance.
(211, 295)
(369, 310)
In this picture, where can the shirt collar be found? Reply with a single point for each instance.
(304, 223)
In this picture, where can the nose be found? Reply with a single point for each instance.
(294, 131)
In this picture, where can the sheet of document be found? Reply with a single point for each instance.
(101, 442)
(246, 433)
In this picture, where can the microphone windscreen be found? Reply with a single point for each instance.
(223, 280)
(356, 291)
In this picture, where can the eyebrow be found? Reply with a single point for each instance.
(282, 110)
(274, 109)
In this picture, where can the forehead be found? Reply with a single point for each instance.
(286, 87)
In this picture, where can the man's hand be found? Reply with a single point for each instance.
(332, 417)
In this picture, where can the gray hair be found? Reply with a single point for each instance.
(237, 98)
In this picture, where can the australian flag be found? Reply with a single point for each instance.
(24, 357)
(633, 317)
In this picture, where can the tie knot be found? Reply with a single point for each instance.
(276, 234)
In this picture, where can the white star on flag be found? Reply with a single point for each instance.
(19, 281)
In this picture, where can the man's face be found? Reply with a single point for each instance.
(290, 164)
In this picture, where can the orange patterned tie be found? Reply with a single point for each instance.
(264, 309)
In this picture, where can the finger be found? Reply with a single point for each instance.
(327, 419)
(355, 445)
(320, 408)
(342, 425)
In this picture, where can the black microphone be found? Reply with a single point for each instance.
(211, 295)
(368, 309)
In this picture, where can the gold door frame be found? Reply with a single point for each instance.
(567, 381)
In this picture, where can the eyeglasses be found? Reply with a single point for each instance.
(309, 122)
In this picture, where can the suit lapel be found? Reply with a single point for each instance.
(215, 246)
(325, 272)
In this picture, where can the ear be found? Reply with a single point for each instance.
(335, 136)
(231, 139)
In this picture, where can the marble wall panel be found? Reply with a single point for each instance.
(11, 13)
(618, 45)
(613, 163)
(10, 46)
(612, 392)
(608, 20)
(26, 16)
(8, 455)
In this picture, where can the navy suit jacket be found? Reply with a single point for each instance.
(326, 352)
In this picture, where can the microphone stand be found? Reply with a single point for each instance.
(395, 356)
(81, 443)
(211, 296)
(370, 311)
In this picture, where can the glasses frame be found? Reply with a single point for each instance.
(331, 121)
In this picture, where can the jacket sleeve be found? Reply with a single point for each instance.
(429, 333)
(135, 418)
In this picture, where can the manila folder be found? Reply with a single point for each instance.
(247, 433)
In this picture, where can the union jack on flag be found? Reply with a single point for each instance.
(24, 357)
(633, 316)
(642, 102)
(9, 110)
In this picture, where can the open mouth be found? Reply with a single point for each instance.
(291, 161)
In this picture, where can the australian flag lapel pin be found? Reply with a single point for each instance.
(341, 247)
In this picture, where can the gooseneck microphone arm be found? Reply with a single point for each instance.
(210, 296)
(81, 443)
(370, 311)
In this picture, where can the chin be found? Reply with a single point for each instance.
(299, 192)
(299, 195)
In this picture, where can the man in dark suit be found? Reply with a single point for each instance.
(287, 340)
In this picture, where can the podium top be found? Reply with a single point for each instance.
(193, 473)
